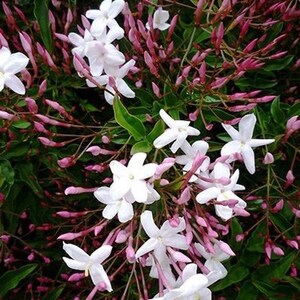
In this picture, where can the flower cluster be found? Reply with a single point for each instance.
(107, 66)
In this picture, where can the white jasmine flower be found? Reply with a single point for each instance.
(105, 16)
(90, 264)
(221, 192)
(160, 19)
(129, 182)
(102, 55)
(190, 286)
(113, 207)
(178, 131)
(81, 43)
(191, 152)
(242, 141)
(161, 238)
(10, 64)
(117, 74)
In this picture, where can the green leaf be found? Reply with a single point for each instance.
(10, 279)
(236, 228)
(294, 110)
(54, 294)
(257, 240)
(295, 282)
(28, 176)
(235, 274)
(247, 292)
(41, 13)
(278, 64)
(275, 271)
(142, 146)
(21, 124)
(276, 111)
(157, 130)
(129, 122)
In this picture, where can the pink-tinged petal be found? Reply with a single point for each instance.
(98, 275)
(2, 80)
(105, 5)
(249, 159)
(224, 212)
(136, 162)
(98, 26)
(146, 171)
(164, 139)
(192, 131)
(148, 246)
(167, 230)
(115, 8)
(124, 89)
(184, 159)
(15, 84)
(110, 210)
(17, 62)
(76, 253)
(115, 33)
(260, 142)
(125, 212)
(167, 119)
(118, 169)
(221, 170)
(96, 66)
(200, 147)
(208, 194)
(75, 39)
(176, 241)
(161, 16)
(4, 55)
(189, 271)
(119, 188)
(102, 194)
(94, 14)
(246, 127)
(123, 71)
(234, 134)
(102, 253)
(181, 137)
(148, 224)
(74, 264)
(231, 148)
(113, 56)
(139, 190)
(204, 294)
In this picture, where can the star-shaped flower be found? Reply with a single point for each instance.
(121, 207)
(178, 131)
(221, 192)
(242, 141)
(130, 181)
(105, 16)
(166, 236)
(160, 19)
(90, 264)
(10, 64)
(81, 43)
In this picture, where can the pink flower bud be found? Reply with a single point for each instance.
(268, 249)
(76, 277)
(25, 41)
(130, 254)
(68, 236)
(31, 105)
(178, 256)
(66, 162)
(45, 141)
(72, 190)
(289, 179)
(201, 221)
(225, 248)
(278, 251)
(5, 238)
(105, 139)
(268, 159)
(293, 244)
(122, 236)
(40, 128)
(6, 116)
(279, 206)
(294, 272)
(155, 89)
(185, 196)
(239, 237)
(30, 257)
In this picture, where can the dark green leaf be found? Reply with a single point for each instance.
(28, 176)
(278, 64)
(41, 13)
(247, 292)
(129, 122)
(235, 274)
(142, 146)
(54, 294)
(257, 240)
(11, 279)
(157, 130)
(21, 124)
(276, 111)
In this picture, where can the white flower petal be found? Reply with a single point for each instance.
(75, 252)
(146, 171)
(231, 148)
(118, 169)
(125, 212)
(148, 246)
(93, 14)
(164, 139)
(110, 210)
(74, 264)
(124, 89)
(234, 134)
(17, 62)
(102, 253)
(102, 194)
(176, 241)
(189, 271)
(249, 159)
(15, 84)
(136, 161)
(148, 224)
(98, 275)
(208, 194)
(246, 127)
(181, 137)
(223, 212)
(260, 142)
(115, 8)
(120, 187)
(139, 190)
